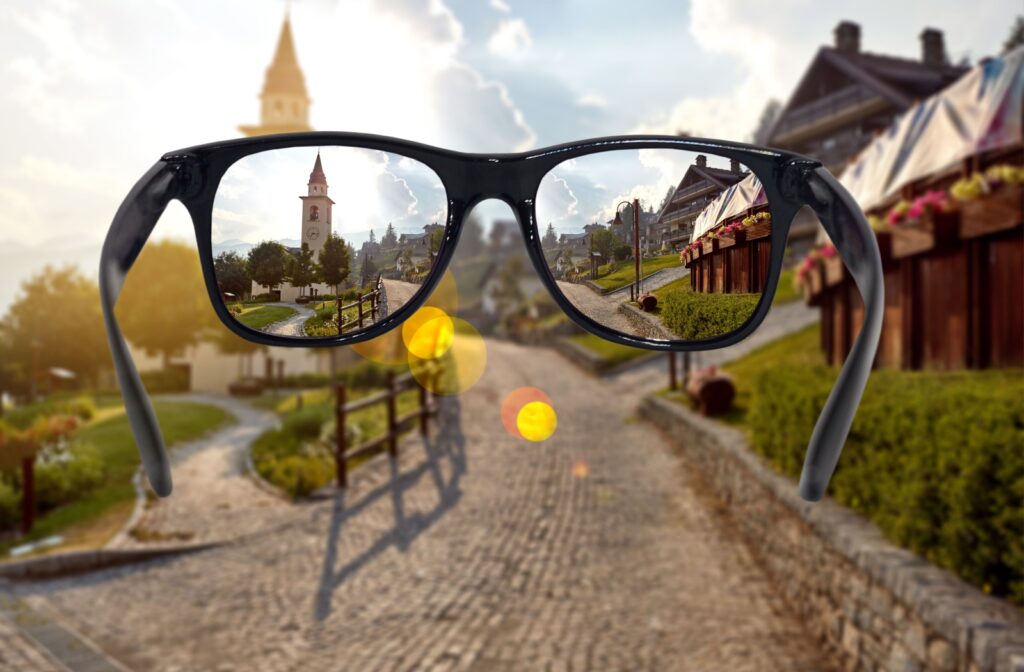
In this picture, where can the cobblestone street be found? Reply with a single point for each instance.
(479, 551)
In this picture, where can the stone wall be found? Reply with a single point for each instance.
(879, 607)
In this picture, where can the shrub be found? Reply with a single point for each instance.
(67, 477)
(622, 252)
(81, 407)
(699, 316)
(307, 422)
(943, 475)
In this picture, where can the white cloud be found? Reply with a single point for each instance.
(594, 100)
(511, 39)
(500, 6)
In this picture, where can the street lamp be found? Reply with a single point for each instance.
(636, 239)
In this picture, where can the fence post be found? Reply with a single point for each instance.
(392, 413)
(360, 302)
(672, 383)
(424, 410)
(337, 301)
(340, 465)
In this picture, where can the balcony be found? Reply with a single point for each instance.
(827, 113)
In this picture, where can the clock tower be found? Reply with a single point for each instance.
(316, 209)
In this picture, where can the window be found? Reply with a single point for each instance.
(314, 213)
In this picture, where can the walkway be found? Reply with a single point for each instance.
(396, 294)
(599, 308)
(595, 550)
(655, 280)
(214, 497)
(291, 326)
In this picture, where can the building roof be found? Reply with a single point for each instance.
(899, 81)
(317, 176)
(284, 74)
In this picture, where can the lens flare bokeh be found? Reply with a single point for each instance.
(536, 421)
(514, 402)
(455, 359)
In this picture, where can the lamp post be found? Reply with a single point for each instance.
(636, 239)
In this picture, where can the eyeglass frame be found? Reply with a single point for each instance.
(792, 184)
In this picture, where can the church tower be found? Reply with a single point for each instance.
(284, 103)
(316, 209)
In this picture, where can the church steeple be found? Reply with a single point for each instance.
(317, 177)
(316, 208)
(284, 101)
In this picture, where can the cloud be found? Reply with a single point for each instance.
(594, 100)
(500, 6)
(511, 39)
(491, 123)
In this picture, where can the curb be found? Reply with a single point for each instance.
(81, 562)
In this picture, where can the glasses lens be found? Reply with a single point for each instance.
(663, 244)
(314, 242)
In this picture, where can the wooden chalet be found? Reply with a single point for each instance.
(701, 185)
(846, 96)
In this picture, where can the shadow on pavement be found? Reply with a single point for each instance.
(448, 445)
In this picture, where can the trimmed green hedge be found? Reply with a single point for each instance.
(699, 316)
(936, 460)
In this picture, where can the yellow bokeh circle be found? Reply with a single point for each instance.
(458, 368)
(536, 421)
(428, 333)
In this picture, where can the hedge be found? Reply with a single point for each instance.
(698, 316)
(936, 460)
(83, 408)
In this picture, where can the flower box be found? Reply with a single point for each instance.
(816, 279)
(933, 229)
(762, 229)
(1001, 210)
(709, 246)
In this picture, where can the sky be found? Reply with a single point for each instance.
(96, 90)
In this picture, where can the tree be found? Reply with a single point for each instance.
(369, 273)
(390, 239)
(55, 321)
(300, 269)
(373, 238)
(604, 242)
(266, 264)
(164, 306)
(436, 236)
(232, 273)
(334, 262)
(550, 239)
(471, 240)
(497, 237)
(668, 197)
(1016, 37)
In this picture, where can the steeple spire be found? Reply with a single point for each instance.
(317, 176)
(284, 100)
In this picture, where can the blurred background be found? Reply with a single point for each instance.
(557, 502)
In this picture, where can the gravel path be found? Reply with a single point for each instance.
(214, 497)
(656, 280)
(396, 294)
(594, 550)
(291, 326)
(597, 307)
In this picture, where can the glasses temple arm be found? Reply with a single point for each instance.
(857, 247)
(128, 233)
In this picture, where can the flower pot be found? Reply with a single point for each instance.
(762, 229)
(832, 271)
(932, 230)
(1001, 210)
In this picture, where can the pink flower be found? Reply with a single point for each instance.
(895, 217)
(916, 210)
(828, 251)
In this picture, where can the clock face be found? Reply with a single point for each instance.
(313, 233)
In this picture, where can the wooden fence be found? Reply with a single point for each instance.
(396, 424)
(733, 264)
(954, 294)
(373, 298)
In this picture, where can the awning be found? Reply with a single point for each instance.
(731, 203)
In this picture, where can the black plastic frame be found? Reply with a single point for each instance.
(791, 182)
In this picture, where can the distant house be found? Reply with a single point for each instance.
(418, 239)
(700, 185)
(576, 244)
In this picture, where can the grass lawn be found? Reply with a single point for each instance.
(787, 291)
(626, 272)
(95, 517)
(613, 353)
(261, 317)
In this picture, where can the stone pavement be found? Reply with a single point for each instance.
(478, 551)
(599, 308)
(294, 325)
(396, 294)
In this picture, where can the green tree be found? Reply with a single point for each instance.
(434, 242)
(369, 273)
(266, 264)
(55, 321)
(604, 242)
(334, 261)
(373, 238)
(164, 306)
(300, 269)
(232, 273)
(1016, 37)
(390, 239)
(550, 238)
